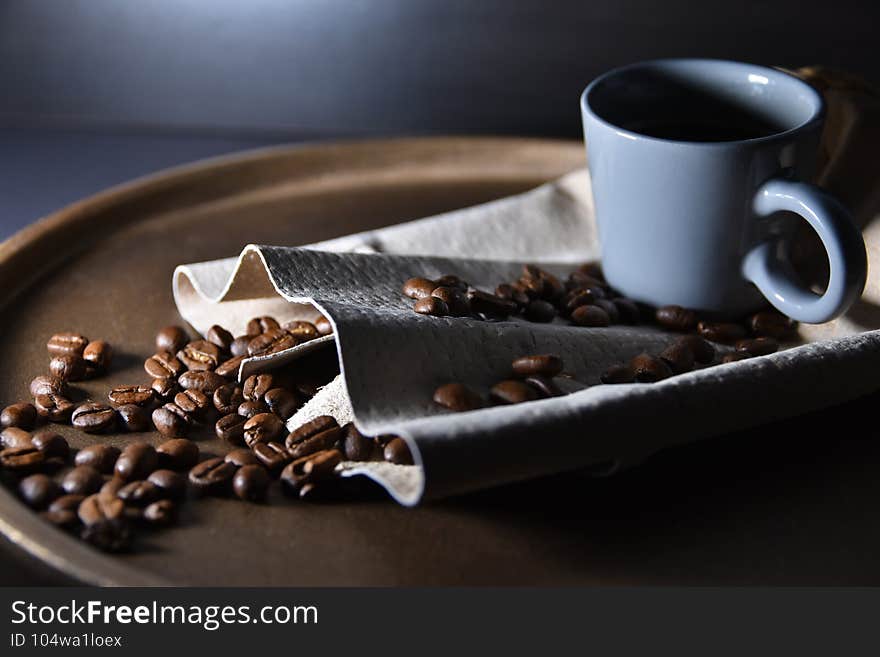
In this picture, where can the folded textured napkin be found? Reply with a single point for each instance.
(392, 359)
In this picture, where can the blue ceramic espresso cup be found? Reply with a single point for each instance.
(697, 169)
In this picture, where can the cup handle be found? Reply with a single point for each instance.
(770, 270)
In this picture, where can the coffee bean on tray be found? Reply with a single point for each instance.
(160, 513)
(396, 451)
(490, 304)
(230, 428)
(256, 386)
(171, 420)
(227, 398)
(247, 409)
(94, 417)
(544, 386)
(163, 364)
(212, 477)
(229, 368)
(170, 484)
(324, 326)
(457, 397)
(251, 483)
(540, 311)
(703, 351)
(772, 324)
(67, 344)
(13, 437)
(68, 367)
(309, 429)
(676, 318)
(220, 337)
(455, 300)
(100, 456)
(271, 342)
(164, 388)
(272, 454)
(679, 357)
(241, 457)
(199, 355)
(203, 381)
(418, 288)
(591, 316)
(54, 407)
(51, 444)
(22, 415)
(23, 460)
(537, 365)
(171, 339)
(137, 395)
(282, 402)
(262, 428)
(193, 402)
(302, 331)
(97, 356)
(136, 461)
(133, 418)
(178, 454)
(47, 385)
(38, 490)
(356, 446)
(259, 325)
(82, 480)
(328, 439)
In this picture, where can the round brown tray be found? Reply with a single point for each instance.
(771, 506)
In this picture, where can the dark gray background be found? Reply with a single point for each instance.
(98, 91)
(95, 92)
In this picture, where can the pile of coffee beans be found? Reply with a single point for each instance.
(583, 299)
(531, 377)
(105, 494)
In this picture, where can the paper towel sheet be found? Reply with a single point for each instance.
(392, 359)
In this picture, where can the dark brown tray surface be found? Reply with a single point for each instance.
(770, 506)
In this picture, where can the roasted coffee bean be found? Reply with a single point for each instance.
(593, 269)
(251, 483)
(137, 395)
(100, 456)
(213, 476)
(773, 324)
(229, 368)
(133, 418)
(356, 446)
(578, 279)
(247, 409)
(308, 469)
(171, 339)
(735, 356)
(259, 325)
(397, 451)
(68, 368)
(262, 428)
(457, 397)
(108, 535)
(679, 357)
(271, 342)
(451, 280)
(537, 365)
(112, 486)
(649, 369)
(53, 407)
(178, 454)
(309, 429)
(544, 386)
(171, 420)
(328, 439)
(238, 347)
(540, 283)
(241, 457)
(704, 352)
(38, 490)
(757, 346)
(227, 398)
(231, 428)
(627, 310)
(456, 301)
(512, 293)
(302, 331)
(582, 297)
(676, 318)
(272, 455)
(99, 507)
(199, 356)
(13, 437)
(97, 355)
(67, 344)
(193, 402)
(256, 386)
(82, 480)
(431, 306)
(21, 415)
(590, 316)
(283, 403)
(220, 337)
(512, 392)
(618, 374)
(170, 484)
(51, 444)
(62, 511)
(139, 493)
(540, 311)
(164, 388)
(324, 326)
(93, 417)
(419, 288)
(136, 461)
(490, 304)
(161, 513)
(610, 308)
(24, 459)
(163, 365)
(206, 381)
(47, 385)
(723, 332)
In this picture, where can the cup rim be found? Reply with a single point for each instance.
(816, 118)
